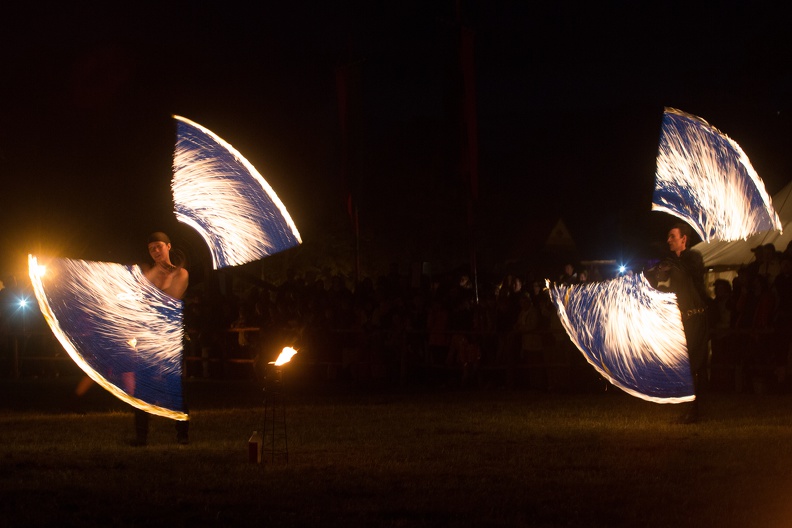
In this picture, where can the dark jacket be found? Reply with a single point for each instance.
(684, 276)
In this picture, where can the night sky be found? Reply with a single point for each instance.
(569, 102)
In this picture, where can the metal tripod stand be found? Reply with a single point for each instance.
(274, 440)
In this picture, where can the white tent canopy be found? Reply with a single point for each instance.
(738, 252)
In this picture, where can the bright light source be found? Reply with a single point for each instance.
(23, 303)
(622, 268)
(284, 357)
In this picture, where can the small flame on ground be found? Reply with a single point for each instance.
(284, 357)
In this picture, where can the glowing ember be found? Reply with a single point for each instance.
(223, 197)
(39, 270)
(704, 178)
(631, 333)
(284, 357)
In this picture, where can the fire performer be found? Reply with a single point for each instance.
(652, 342)
(124, 325)
(683, 274)
(171, 279)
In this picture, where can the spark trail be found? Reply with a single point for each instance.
(704, 178)
(630, 333)
(222, 196)
(121, 330)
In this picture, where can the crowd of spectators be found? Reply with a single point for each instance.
(751, 323)
(387, 327)
(399, 325)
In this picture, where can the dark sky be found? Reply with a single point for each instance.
(569, 103)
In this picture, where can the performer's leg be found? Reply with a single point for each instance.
(182, 431)
(141, 428)
(183, 427)
(696, 334)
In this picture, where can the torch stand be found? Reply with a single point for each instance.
(274, 441)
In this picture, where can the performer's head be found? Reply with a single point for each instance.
(678, 237)
(158, 236)
(159, 246)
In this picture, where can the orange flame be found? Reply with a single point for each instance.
(284, 357)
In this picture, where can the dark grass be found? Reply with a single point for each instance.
(422, 456)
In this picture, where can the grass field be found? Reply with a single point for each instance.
(421, 456)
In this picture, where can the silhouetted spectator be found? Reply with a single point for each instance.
(569, 276)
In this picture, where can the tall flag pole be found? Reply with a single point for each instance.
(470, 142)
(348, 90)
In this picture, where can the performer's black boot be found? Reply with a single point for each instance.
(691, 414)
(141, 428)
(182, 429)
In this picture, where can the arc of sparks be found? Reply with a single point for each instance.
(223, 197)
(121, 330)
(704, 178)
(631, 334)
